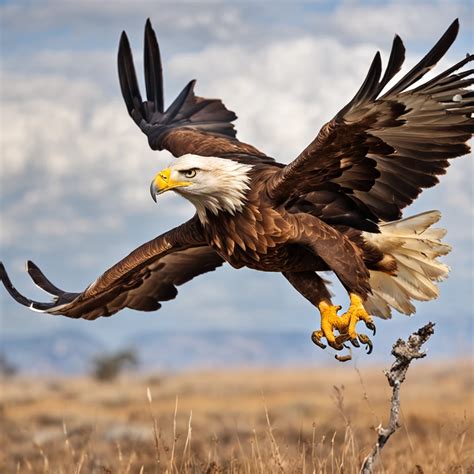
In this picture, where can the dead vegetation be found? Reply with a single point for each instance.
(286, 421)
(108, 367)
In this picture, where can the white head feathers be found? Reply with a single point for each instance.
(218, 184)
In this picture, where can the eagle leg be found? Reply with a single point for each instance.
(348, 321)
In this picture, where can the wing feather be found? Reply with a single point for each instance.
(188, 121)
(428, 62)
(141, 281)
(384, 150)
(153, 70)
(128, 81)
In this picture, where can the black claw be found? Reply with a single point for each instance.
(364, 339)
(372, 327)
(317, 341)
(370, 347)
(355, 342)
(338, 308)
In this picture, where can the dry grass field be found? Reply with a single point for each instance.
(291, 421)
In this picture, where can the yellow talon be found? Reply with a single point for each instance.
(329, 321)
(345, 324)
(354, 314)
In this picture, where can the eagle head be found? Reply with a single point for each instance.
(211, 184)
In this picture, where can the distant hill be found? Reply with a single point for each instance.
(219, 349)
(60, 352)
(72, 352)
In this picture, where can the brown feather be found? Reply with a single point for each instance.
(373, 144)
(141, 280)
(191, 124)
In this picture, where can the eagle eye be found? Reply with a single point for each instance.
(190, 173)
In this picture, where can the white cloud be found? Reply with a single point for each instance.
(67, 62)
(73, 162)
(224, 21)
(211, 19)
(379, 21)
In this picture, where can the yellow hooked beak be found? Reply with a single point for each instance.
(162, 182)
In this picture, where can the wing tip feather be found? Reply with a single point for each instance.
(151, 116)
(12, 291)
(124, 41)
(153, 68)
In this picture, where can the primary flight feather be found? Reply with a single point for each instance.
(337, 206)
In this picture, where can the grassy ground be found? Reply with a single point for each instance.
(288, 421)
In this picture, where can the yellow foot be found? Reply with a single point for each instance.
(349, 320)
(329, 321)
(344, 324)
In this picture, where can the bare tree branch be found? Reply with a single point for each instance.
(404, 353)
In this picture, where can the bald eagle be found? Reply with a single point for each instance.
(336, 207)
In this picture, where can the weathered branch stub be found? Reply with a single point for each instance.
(404, 353)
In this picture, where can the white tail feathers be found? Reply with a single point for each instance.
(415, 246)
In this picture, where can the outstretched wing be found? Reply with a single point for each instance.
(143, 279)
(190, 124)
(381, 151)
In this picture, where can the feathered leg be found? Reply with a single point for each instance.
(313, 288)
(346, 259)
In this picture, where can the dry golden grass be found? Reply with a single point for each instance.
(288, 421)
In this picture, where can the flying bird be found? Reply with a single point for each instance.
(336, 207)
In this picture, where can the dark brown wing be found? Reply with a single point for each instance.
(381, 151)
(190, 124)
(149, 275)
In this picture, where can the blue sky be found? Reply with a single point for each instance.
(75, 169)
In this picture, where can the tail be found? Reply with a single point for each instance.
(415, 247)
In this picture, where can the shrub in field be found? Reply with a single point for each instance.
(7, 369)
(108, 367)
